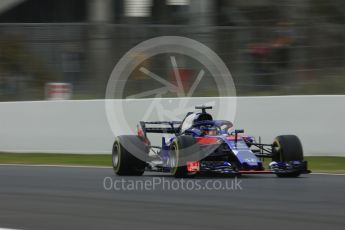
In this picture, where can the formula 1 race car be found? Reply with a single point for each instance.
(201, 145)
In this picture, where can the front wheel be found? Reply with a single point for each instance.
(182, 150)
(287, 148)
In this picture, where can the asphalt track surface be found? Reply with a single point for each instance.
(75, 198)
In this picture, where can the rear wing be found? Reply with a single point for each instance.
(159, 127)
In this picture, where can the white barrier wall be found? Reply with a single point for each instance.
(82, 127)
(319, 121)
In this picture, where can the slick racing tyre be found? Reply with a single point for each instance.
(182, 150)
(287, 148)
(127, 150)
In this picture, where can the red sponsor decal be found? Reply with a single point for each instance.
(193, 166)
(233, 137)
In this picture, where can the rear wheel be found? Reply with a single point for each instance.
(182, 150)
(127, 150)
(287, 148)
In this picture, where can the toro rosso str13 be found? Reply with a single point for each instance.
(201, 145)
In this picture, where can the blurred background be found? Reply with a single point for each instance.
(69, 48)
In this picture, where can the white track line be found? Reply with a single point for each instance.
(8, 229)
(331, 174)
(108, 167)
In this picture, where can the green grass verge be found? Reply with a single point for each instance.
(316, 164)
(326, 164)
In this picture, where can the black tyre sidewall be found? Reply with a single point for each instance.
(129, 147)
(290, 149)
(187, 149)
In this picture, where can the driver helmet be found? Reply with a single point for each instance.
(208, 130)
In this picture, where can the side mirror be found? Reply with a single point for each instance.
(239, 131)
(236, 131)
